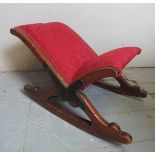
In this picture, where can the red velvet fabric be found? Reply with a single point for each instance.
(117, 58)
(68, 52)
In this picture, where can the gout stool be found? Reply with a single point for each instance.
(73, 65)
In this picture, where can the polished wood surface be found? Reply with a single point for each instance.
(97, 125)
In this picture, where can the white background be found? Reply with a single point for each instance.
(103, 26)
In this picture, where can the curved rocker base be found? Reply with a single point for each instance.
(97, 126)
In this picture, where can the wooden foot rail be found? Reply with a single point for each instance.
(97, 125)
(124, 88)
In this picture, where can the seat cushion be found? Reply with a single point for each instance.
(117, 58)
(67, 54)
(65, 49)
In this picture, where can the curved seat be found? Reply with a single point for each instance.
(117, 58)
(67, 53)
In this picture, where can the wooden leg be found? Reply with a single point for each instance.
(100, 127)
(124, 88)
(97, 125)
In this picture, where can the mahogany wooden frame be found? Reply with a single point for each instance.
(73, 94)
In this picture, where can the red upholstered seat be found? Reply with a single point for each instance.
(117, 58)
(71, 57)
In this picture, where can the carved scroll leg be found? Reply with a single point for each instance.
(100, 127)
(37, 94)
(124, 88)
